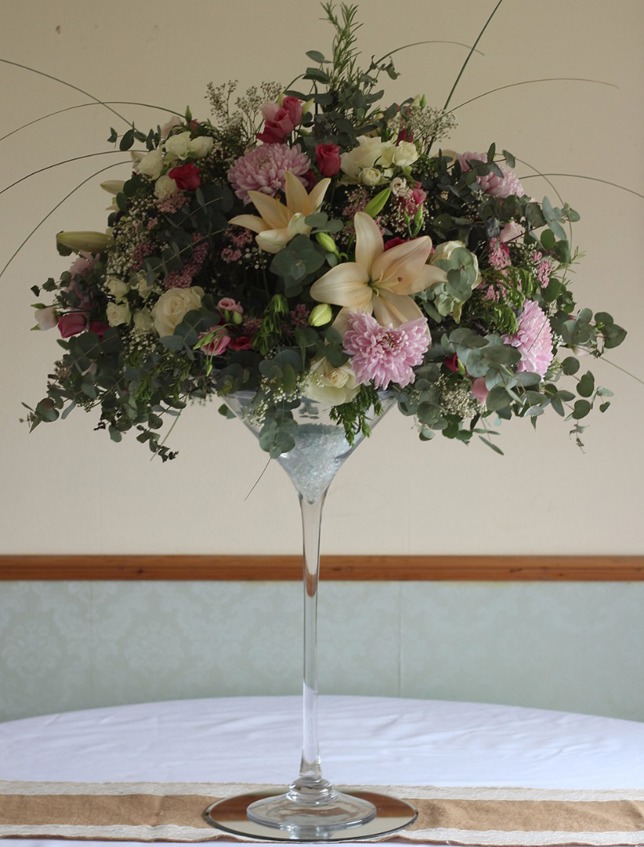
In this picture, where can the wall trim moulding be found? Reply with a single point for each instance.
(357, 568)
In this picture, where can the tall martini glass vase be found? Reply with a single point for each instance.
(311, 809)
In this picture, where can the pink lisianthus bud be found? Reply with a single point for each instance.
(187, 177)
(327, 157)
(480, 390)
(510, 232)
(72, 323)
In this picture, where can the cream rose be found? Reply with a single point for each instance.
(368, 154)
(404, 154)
(118, 314)
(327, 384)
(178, 146)
(165, 187)
(116, 287)
(143, 321)
(172, 307)
(200, 146)
(371, 177)
(151, 164)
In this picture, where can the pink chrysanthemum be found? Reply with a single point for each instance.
(381, 354)
(533, 339)
(491, 184)
(264, 169)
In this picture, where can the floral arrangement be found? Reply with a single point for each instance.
(313, 242)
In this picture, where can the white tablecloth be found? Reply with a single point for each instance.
(364, 740)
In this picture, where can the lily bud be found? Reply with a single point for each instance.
(89, 242)
(113, 186)
(321, 315)
(377, 203)
(326, 242)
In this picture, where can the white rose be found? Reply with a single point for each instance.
(201, 146)
(165, 187)
(118, 313)
(172, 307)
(404, 154)
(327, 384)
(143, 321)
(368, 153)
(177, 146)
(151, 164)
(116, 287)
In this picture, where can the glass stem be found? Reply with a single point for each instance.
(310, 781)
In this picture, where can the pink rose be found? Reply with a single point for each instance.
(71, 324)
(187, 177)
(327, 157)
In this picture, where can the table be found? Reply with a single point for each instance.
(364, 740)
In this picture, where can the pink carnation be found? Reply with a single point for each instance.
(533, 339)
(381, 354)
(264, 169)
(491, 184)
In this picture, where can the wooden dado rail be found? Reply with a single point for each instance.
(367, 568)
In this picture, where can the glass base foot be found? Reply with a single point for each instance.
(278, 818)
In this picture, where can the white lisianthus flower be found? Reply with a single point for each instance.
(116, 287)
(46, 318)
(118, 314)
(327, 384)
(200, 147)
(151, 165)
(178, 146)
(370, 152)
(143, 322)
(172, 307)
(165, 187)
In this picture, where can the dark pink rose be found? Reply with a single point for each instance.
(242, 342)
(72, 324)
(327, 157)
(451, 363)
(393, 242)
(280, 121)
(187, 177)
(98, 328)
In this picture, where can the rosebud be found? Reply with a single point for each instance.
(326, 242)
(89, 242)
(320, 315)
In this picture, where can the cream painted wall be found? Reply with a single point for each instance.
(66, 489)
